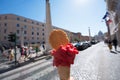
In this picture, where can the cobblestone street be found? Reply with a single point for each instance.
(97, 63)
(94, 63)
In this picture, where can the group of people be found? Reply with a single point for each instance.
(25, 52)
(30, 51)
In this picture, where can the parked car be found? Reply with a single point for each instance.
(93, 42)
(88, 44)
(79, 46)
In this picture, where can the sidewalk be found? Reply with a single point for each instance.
(6, 65)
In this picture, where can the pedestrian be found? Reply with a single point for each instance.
(36, 49)
(29, 50)
(43, 46)
(115, 43)
(22, 51)
(22, 57)
(110, 45)
(25, 53)
(11, 55)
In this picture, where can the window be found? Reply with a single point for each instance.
(32, 22)
(0, 18)
(18, 37)
(25, 32)
(37, 28)
(33, 42)
(38, 42)
(25, 26)
(25, 38)
(32, 33)
(25, 20)
(43, 34)
(18, 18)
(37, 23)
(42, 29)
(32, 37)
(5, 24)
(5, 37)
(5, 17)
(18, 25)
(5, 30)
(18, 31)
(42, 25)
(37, 33)
(32, 28)
(37, 38)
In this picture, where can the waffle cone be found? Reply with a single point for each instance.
(64, 72)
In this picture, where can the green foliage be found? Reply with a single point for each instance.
(76, 39)
(12, 37)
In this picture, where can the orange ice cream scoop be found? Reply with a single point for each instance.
(57, 38)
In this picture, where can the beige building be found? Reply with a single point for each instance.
(28, 31)
(113, 7)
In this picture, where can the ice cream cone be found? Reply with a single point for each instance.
(64, 72)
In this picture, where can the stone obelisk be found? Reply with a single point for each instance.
(48, 26)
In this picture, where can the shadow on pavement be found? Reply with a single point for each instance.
(113, 52)
(118, 51)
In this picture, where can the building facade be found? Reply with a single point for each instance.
(113, 7)
(28, 31)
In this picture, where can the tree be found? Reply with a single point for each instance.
(12, 37)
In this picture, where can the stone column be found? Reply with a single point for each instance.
(48, 26)
(89, 33)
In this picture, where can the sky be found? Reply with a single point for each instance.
(72, 15)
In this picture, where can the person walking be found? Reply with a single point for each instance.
(11, 55)
(22, 57)
(110, 44)
(43, 46)
(25, 54)
(37, 50)
(115, 43)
